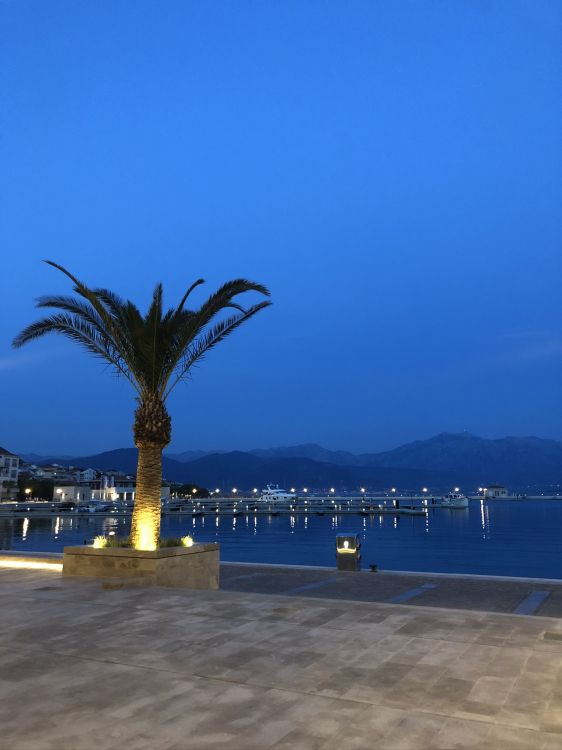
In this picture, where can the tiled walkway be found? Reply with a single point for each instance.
(88, 668)
(515, 596)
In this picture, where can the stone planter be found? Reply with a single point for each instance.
(195, 567)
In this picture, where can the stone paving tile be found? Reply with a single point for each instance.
(473, 593)
(83, 667)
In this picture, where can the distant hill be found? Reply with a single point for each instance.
(438, 462)
(308, 450)
(245, 470)
(121, 459)
(505, 459)
(189, 455)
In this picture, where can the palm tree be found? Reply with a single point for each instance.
(154, 353)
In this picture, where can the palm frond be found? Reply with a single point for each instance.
(201, 346)
(186, 295)
(78, 330)
(152, 350)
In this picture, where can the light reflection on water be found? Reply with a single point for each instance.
(502, 537)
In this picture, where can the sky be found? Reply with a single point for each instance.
(391, 170)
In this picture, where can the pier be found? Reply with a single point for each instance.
(236, 506)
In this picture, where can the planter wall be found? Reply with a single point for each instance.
(195, 567)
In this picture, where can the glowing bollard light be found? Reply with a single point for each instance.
(348, 557)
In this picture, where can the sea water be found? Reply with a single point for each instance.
(500, 537)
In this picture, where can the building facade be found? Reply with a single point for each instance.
(110, 488)
(494, 491)
(9, 469)
(74, 493)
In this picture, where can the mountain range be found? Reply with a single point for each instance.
(438, 462)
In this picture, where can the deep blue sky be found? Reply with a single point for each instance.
(392, 170)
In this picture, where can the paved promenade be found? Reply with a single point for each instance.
(482, 593)
(85, 667)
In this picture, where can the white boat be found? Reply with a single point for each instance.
(98, 506)
(455, 500)
(273, 493)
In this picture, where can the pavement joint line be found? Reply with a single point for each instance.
(309, 586)
(411, 593)
(433, 609)
(30, 596)
(419, 573)
(491, 720)
(531, 603)
(246, 575)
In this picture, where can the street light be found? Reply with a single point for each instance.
(393, 489)
(457, 489)
(293, 489)
(332, 490)
(28, 491)
(424, 489)
(305, 489)
(234, 490)
(255, 490)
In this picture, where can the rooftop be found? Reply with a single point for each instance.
(86, 666)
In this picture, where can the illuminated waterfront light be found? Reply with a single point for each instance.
(363, 490)
(332, 489)
(293, 489)
(457, 489)
(393, 489)
(255, 490)
(305, 489)
(424, 489)
(187, 541)
(28, 491)
(30, 565)
(144, 537)
(234, 490)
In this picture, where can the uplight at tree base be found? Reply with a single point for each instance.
(145, 536)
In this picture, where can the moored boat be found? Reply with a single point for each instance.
(273, 493)
(455, 500)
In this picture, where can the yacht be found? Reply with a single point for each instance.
(455, 500)
(274, 493)
(98, 506)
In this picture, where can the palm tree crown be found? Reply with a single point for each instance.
(153, 352)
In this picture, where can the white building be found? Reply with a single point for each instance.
(121, 487)
(85, 476)
(9, 468)
(74, 493)
(495, 491)
(56, 472)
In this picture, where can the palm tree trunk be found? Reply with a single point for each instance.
(145, 524)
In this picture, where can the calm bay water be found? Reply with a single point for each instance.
(516, 538)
